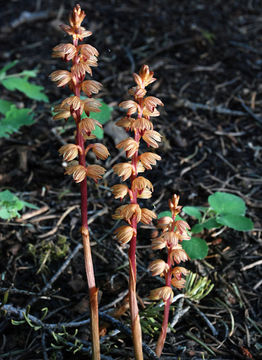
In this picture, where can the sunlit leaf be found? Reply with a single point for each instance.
(104, 115)
(22, 84)
(7, 67)
(224, 203)
(196, 248)
(209, 225)
(14, 119)
(5, 106)
(10, 205)
(164, 213)
(236, 222)
(193, 211)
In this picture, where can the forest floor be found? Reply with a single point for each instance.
(208, 63)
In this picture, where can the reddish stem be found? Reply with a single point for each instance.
(135, 321)
(93, 291)
(162, 336)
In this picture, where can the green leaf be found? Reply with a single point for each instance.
(236, 222)
(8, 66)
(203, 208)
(5, 106)
(6, 195)
(197, 228)
(22, 84)
(11, 204)
(164, 213)
(17, 322)
(98, 132)
(224, 203)
(31, 206)
(26, 73)
(193, 211)
(14, 119)
(4, 213)
(209, 224)
(104, 115)
(196, 248)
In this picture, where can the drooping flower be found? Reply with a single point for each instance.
(129, 145)
(61, 77)
(152, 137)
(124, 170)
(100, 151)
(95, 172)
(164, 293)
(120, 191)
(78, 172)
(158, 267)
(124, 234)
(148, 159)
(70, 151)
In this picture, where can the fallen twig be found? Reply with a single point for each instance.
(31, 214)
(217, 109)
(250, 266)
(211, 327)
(54, 230)
(249, 111)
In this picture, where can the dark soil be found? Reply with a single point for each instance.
(207, 57)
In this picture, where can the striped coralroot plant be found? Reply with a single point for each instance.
(137, 120)
(82, 58)
(173, 232)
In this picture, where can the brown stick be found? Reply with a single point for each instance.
(93, 292)
(135, 319)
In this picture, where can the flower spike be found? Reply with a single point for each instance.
(82, 57)
(137, 120)
(173, 232)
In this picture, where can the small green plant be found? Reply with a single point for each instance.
(65, 340)
(13, 117)
(197, 287)
(48, 251)
(224, 210)
(10, 205)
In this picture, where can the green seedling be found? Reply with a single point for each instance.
(19, 81)
(197, 287)
(46, 252)
(10, 205)
(12, 117)
(224, 210)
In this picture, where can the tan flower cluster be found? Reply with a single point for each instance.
(137, 120)
(173, 232)
(83, 57)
